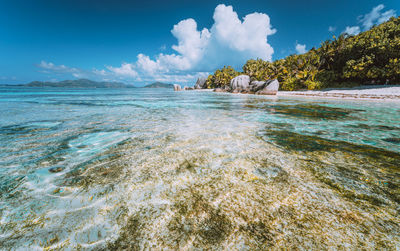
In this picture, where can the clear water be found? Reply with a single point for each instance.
(156, 169)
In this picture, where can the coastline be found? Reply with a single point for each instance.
(376, 92)
(389, 93)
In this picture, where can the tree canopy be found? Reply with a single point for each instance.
(372, 56)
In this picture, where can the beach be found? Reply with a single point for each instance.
(372, 92)
(389, 92)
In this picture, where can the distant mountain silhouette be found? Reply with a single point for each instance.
(159, 85)
(79, 83)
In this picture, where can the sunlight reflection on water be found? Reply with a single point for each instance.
(143, 168)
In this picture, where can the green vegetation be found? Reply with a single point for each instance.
(370, 57)
(221, 78)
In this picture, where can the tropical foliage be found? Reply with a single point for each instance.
(370, 57)
(221, 78)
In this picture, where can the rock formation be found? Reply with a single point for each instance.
(258, 85)
(271, 88)
(177, 87)
(200, 83)
(240, 82)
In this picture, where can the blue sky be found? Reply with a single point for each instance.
(138, 42)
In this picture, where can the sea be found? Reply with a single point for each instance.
(154, 169)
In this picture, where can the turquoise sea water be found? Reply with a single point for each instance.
(157, 169)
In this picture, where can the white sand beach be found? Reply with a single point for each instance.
(391, 92)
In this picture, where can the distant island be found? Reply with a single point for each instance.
(87, 83)
(159, 85)
(79, 83)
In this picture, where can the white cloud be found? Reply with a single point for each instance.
(57, 68)
(249, 36)
(78, 75)
(126, 70)
(229, 41)
(375, 17)
(191, 44)
(49, 67)
(65, 71)
(353, 30)
(144, 63)
(301, 48)
(385, 16)
(332, 29)
(369, 19)
(99, 72)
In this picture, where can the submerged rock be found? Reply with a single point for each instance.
(200, 83)
(177, 87)
(240, 82)
(392, 140)
(270, 88)
(56, 169)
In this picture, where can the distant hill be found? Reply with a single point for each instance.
(159, 85)
(79, 83)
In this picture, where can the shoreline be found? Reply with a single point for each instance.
(376, 92)
(389, 93)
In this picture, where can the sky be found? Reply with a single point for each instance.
(140, 42)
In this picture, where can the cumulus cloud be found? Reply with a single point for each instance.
(125, 70)
(249, 36)
(146, 64)
(191, 45)
(375, 17)
(301, 48)
(353, 30)
(331, 28)
(230, 41)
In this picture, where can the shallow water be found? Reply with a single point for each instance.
(157, 169)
